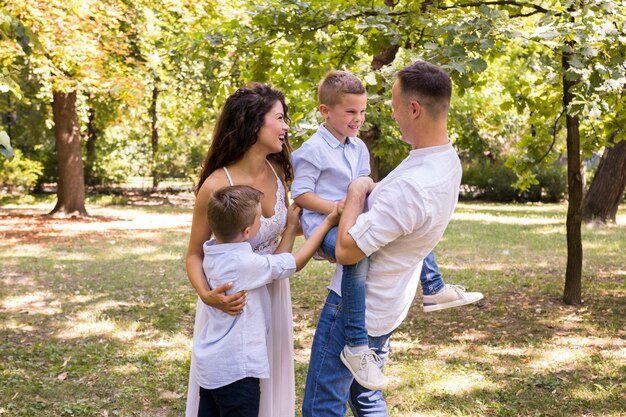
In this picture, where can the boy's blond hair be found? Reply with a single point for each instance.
(337, 83)
(231, 209)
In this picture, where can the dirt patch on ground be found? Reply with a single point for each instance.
(19, 224)
(160, 199)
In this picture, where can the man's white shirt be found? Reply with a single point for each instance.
(406, 215)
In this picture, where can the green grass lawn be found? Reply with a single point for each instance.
(96, 316)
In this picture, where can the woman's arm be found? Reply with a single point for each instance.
(201, 232)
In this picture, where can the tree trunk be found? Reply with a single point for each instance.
(155, 137)
(369, 137)
(573, 273)
(92, 135)
(607, 188)
(71, 183)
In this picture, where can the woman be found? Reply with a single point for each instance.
(249, 147)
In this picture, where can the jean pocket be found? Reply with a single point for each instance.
(333, 302)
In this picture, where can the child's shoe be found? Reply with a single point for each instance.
(450, 296)
(365, 367)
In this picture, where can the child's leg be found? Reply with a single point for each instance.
(207, 407)
(439, 296)
(239, 399)
(361, 361)
(352, 293)
(430, 277)
(330, 242)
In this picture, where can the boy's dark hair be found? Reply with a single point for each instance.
(231, 209)
(337, 83)
(427, 83)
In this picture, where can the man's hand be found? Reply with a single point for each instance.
(346, 251)
(230, 304)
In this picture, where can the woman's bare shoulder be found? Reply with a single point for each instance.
(214, 182)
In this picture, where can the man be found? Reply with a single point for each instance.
(408, 213)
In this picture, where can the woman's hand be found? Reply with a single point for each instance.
(230, 304)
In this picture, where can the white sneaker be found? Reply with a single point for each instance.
(450, 296)
(365, 368)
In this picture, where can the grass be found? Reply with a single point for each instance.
(96, 316)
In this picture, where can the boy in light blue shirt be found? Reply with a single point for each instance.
(230, 352)
(324, 166)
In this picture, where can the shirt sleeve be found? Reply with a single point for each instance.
(259, 270)
(306, 169)
(398, 210)
(364, 168)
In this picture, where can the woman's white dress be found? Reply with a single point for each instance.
(278, 392)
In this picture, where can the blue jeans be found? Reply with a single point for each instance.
(353, 292)
(329, 384)
(430, 277)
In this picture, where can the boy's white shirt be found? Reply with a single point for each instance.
(229, 348)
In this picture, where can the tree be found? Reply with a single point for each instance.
(578, 52)
(607, 188)
(71, 185)
(79, 52)
(573, 273)
(575, 50)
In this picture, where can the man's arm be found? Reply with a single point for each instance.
(347, 252)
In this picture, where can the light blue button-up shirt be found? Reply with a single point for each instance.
(229, 348)
(325, 166)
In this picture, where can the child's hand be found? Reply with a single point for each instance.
(340, 206)
(293, 215)
(333, 217)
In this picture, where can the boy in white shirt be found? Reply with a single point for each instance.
(230, 351)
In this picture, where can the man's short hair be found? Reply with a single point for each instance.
(428, 84)
(337, 83)
(231, 209)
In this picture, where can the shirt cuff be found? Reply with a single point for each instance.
(299, 187)
(359, 233)
(287, 263)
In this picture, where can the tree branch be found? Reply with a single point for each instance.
(386, 57)
(343, 56)
(553, 138)
(538, 9)
(350, 17)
